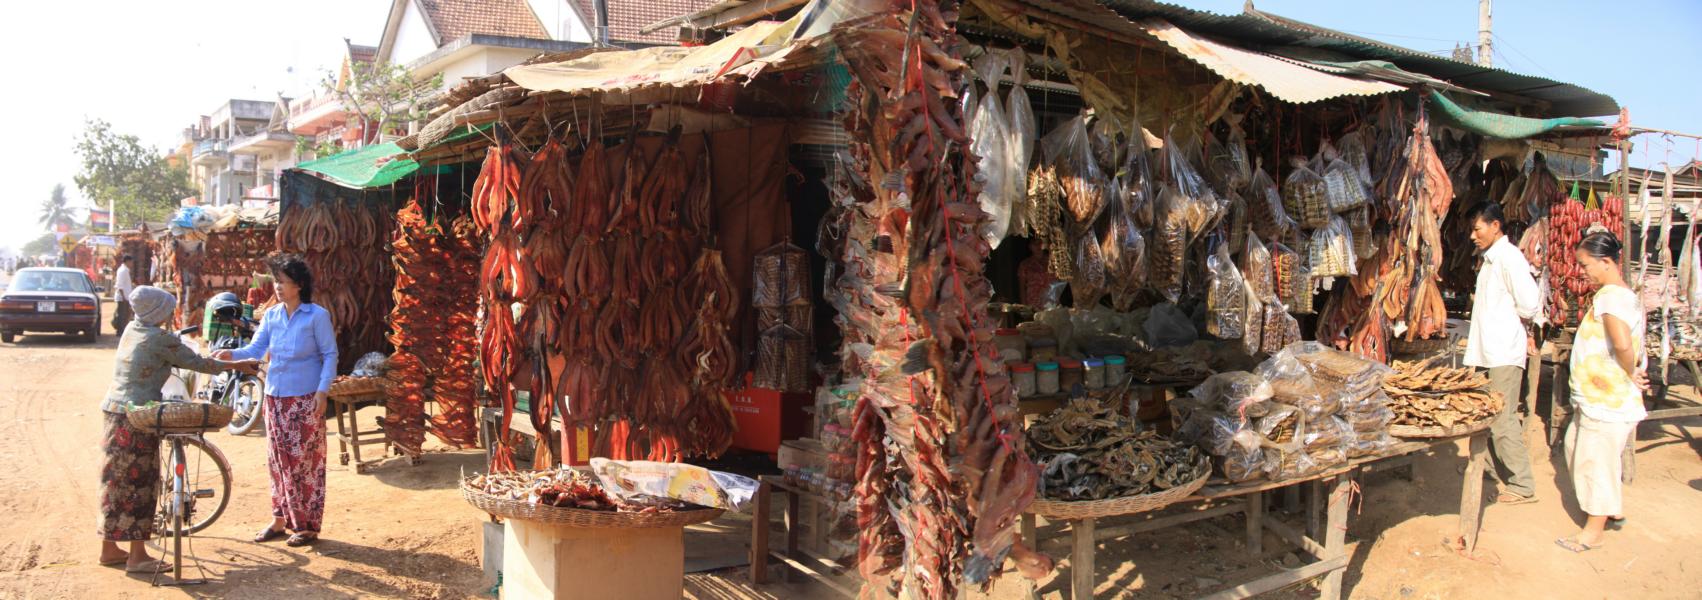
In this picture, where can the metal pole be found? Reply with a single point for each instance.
(1485, 39)
(1624, 188)
(601, 7)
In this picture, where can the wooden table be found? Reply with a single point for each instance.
(349, 433)
(1214, 500)
(815, 566)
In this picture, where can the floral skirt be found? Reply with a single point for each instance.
(129, 481)
(295, 455)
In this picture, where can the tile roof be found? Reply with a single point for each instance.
(455, 19)
(626, 17)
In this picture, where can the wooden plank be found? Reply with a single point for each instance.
(1471, 494)
(1255, 509)
(1081, 559)
(759, 534)
(792, 531)
(1290, 535)
(1335, 534)
(1314, 508)
(1154, 524)
(1280, 580)
(1674, 413)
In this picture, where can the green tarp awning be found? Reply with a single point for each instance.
(1503, 126)
(373, 166)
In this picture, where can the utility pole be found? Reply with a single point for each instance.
(1485, 40)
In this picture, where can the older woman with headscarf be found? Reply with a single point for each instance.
(130, 473)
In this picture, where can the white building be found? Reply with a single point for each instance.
(228, 146)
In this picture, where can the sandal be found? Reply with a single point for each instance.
(1572, 543)
(268, 534)
(301, 539)
(115, 562)
(1512, 499)
(152, 567)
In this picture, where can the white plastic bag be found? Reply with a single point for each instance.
(989, 135)
(646, 482)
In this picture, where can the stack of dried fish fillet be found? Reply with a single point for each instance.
(1431, 394)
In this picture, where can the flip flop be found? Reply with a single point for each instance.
(268, 535)
(115, 562)
(1512, 499)
(301, 539)
(151, 567)
(1572, 543)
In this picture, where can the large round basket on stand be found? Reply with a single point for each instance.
(553, 552)
(179, 417)
(1459, 429)
(577, 517)
(1055, 510)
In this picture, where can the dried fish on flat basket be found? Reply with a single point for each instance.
(1089, 451)
(1429, 395)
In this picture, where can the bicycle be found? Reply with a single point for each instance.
(241, 392)
(183, 487)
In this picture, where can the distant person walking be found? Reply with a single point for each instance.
(121, 288)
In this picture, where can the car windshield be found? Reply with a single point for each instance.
(50, 281)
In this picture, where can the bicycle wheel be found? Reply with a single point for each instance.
(182, 502)
(245, 397)
(206, 475)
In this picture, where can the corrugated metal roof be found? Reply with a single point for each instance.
(1263, 28)
(1283, 79)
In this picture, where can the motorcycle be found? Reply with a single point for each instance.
(243, 393)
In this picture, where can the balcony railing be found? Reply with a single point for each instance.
(306, 105)
(211, 145)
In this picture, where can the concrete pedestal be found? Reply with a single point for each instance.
(542, 560)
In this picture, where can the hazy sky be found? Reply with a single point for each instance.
(152, 68)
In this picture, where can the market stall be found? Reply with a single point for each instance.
(212, 250)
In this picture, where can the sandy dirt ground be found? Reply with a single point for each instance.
(402, 531)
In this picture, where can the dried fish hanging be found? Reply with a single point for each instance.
(951, 426)
(432, 326)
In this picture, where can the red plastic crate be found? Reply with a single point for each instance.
(765, 417)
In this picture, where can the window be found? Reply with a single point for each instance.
(51, 281)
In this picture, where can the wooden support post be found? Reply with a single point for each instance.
(1314, 508)
(1031, 538)
(1335, 533)
(1081, 559)
(792, 532)
(1255, 523)
(1560, 391)
(759, 535)
(1471, 493)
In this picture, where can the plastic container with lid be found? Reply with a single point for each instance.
(1070, 375)
(1042, 349)
(1011, 345)
(1115, 369)
(1022, 376)
(1093, 374)
(1046, 378)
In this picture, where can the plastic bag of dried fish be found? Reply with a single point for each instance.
(1292, 384)
(1352, 147)
(1134, 180)
(1265, 208)
(1305, 195)
(1342, 185)
(1226, 302)
(1169, 247)
(1199, 206)
(1255, 335)
(1235, 222)
(1257, 268)
(1282, 428)
(1124, 250)
(1089, 284)
(1332, 250)
(1280, 328)
(1337, 371)
(1235, 392)
(989, 138)
(1023, 131)
(1070, 151)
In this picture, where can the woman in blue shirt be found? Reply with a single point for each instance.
(297, 336)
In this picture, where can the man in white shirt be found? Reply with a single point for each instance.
(121, 288)
(1506, 297)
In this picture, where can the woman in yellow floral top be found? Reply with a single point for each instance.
(1607, 389)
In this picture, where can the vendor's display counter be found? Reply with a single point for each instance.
(554, 560)
(1325, 540)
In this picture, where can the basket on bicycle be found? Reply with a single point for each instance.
(179, 416)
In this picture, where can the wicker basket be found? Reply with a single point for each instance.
(1419, 347)
(359, 386)
(179, 416)
(575, 517)
(1127, 505)
(1459, 429)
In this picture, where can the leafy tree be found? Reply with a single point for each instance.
(46, 244)
(305, 145)
(140, 182)
(56, 210)
(384, 95)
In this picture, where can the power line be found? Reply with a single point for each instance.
(1410, 37)
(1521, 53)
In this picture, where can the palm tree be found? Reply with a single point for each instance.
(56, 210)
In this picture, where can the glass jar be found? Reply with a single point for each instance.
(1115, 369)
(1011, 345)
(1042, 349)
(1046, 378)
(1022, 376)
(1070, 375)
(1093, 374)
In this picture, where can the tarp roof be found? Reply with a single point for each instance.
(373, 166)
(741, 54)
